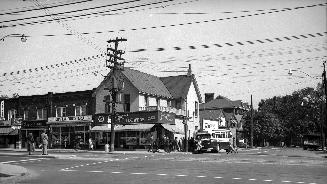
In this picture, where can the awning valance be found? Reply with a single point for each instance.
(136, 127)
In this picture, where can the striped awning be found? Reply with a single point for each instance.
(8, 131)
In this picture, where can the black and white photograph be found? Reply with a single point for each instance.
(163, 91)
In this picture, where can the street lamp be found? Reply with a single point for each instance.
(22, 37)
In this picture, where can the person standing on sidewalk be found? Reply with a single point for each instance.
(44, 139)
(30, 143)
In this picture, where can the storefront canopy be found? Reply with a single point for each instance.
(173, 128)
(8, 131)
(137, 127)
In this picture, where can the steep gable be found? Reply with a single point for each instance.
(179, 86)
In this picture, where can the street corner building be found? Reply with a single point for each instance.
(146, 105)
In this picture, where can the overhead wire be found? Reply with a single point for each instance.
(46, 6)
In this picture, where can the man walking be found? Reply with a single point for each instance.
(44, 139)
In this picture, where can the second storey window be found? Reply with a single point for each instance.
(61, 112)
(41, 113)
(25, 114)
(127, 99)
(80, 110)
(12, 114)
(196, 109)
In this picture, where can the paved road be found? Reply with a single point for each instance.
(264, 166)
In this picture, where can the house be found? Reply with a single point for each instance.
(222, 114)
(141, 96)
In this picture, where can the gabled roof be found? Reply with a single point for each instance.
(147, 83)
(211, 114)
(179, 86)
(218, 103)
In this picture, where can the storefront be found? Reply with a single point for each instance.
(35, 127)
(69, 132)
(8, 137)
(133, 130)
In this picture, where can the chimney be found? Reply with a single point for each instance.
(208, 97)
(189, 71)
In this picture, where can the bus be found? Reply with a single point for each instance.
(214, 141)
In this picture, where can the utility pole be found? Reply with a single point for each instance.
(115, 62)
(324, 83)
(251, 144)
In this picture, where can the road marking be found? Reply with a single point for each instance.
(87, 164)
(95, 171)
(106, 161)
(116, 172)
(300, 182)
(252, 179)
(286, 181)
(99, 162)
(8, 162)
(81, 165)
(162, 174)
(65, 170)
(236, 178)
(23, 160)
(267, 180)
(139, 173)
(201, 176)
(181, 175)
(312, 183)
(218, 177)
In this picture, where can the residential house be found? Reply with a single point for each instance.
(141, 96)
(222, 114)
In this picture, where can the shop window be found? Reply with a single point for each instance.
(12, 114)
(80, 110)
(127, 99)
(41, 113)
(61, 112)
(25, 114)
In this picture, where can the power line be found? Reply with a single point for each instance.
(46, 6)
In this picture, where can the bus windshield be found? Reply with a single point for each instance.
(203, 136)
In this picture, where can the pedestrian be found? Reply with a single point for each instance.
(30, 143)
(180, 147)
(90, 144)
(44, 139)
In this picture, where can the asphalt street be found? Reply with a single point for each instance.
(257, 166)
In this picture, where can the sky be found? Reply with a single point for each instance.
(236, 48)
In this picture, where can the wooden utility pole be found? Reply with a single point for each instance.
(251, 123)
(115, 62)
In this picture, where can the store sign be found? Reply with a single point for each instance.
(137, 117)
(34, 124)
(70, 118)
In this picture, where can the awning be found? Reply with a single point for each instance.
(173, 128)
(8, 131)
(69, 123)
(136, 127)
